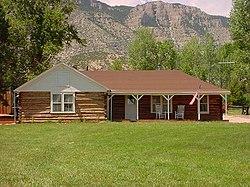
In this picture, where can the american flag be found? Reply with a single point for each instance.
(195, 95)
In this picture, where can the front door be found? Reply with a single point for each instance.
(130, 107)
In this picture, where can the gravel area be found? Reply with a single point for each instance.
(237, 118)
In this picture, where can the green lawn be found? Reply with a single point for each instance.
(125, 154)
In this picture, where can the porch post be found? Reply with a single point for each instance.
(168, 98)
(199, 110)
(111, 110)
(137, 109)
(225, 98)
(137, 98)
(110, 116)
(107, 107)
(199, 106)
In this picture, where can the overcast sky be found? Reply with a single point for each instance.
(214, 7)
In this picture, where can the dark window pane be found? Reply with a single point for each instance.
(57, 107)
(203, 107)
(68, 98)
(68, 107)
(56, 97)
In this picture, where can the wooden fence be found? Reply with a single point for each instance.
(6, 102)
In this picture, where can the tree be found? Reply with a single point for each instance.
(240, 32)
(142, 51)
(225, 53)
(4, 35)
(117, 65)
(198, 58)
(191, 58)
(166, 55)
(240, 78)
(210, 63)
(240, 23)
(145, 53)
(38, 31)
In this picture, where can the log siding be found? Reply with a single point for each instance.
(36, 107)
(191, 111)
(118, 107)
(6, 102)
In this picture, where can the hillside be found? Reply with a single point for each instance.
(109, 29)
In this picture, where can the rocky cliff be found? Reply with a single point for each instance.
(109, 30)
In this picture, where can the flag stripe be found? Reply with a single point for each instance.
(193, 100)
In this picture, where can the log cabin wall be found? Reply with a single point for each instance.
(145, 108)
(215, 107)
(191, 111)
(118, 107)
(6, 102)
(35, 107)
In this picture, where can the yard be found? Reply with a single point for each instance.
(125, 154)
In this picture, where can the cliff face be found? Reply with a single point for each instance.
(178, 22)
(109, 30)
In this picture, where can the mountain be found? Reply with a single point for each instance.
(109, 29)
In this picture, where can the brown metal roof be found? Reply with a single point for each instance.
(152, 81)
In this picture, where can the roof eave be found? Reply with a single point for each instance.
(168, 93)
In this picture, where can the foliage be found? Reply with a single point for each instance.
(240, 78)
(166, 55)
(198, 58)
(145, 53)
(142, 51)
(117, 65)
(210, 62)
(4, 35)
(240, 32)
(191, 58)
(240, 23)
(38, 31)
(125, 154)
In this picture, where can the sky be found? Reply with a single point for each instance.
(213, 7)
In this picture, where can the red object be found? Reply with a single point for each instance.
(193, 100)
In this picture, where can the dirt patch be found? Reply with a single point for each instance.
(237, 118)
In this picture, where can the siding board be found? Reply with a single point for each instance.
(6, 102)
(215, 107)
(35, 107)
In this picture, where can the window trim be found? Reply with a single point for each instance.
(205, 112)
(62, 103)
(161, 103)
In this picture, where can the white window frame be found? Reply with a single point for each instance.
(62, 103)
(161, 103)
(206, 103)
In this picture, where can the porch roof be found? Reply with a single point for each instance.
(152, 82)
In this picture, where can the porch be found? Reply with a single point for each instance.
(142, 107)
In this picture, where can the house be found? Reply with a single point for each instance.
(64, 93)
(6, 106)
(6, 102)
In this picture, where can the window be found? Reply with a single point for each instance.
(63, 102)
(204, 104)
(159, 100)
(131, 100)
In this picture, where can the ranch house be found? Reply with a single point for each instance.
(64, 93)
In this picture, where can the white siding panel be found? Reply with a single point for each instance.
(63, 79)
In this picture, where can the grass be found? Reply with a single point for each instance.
(235, 111)
(125, 154)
